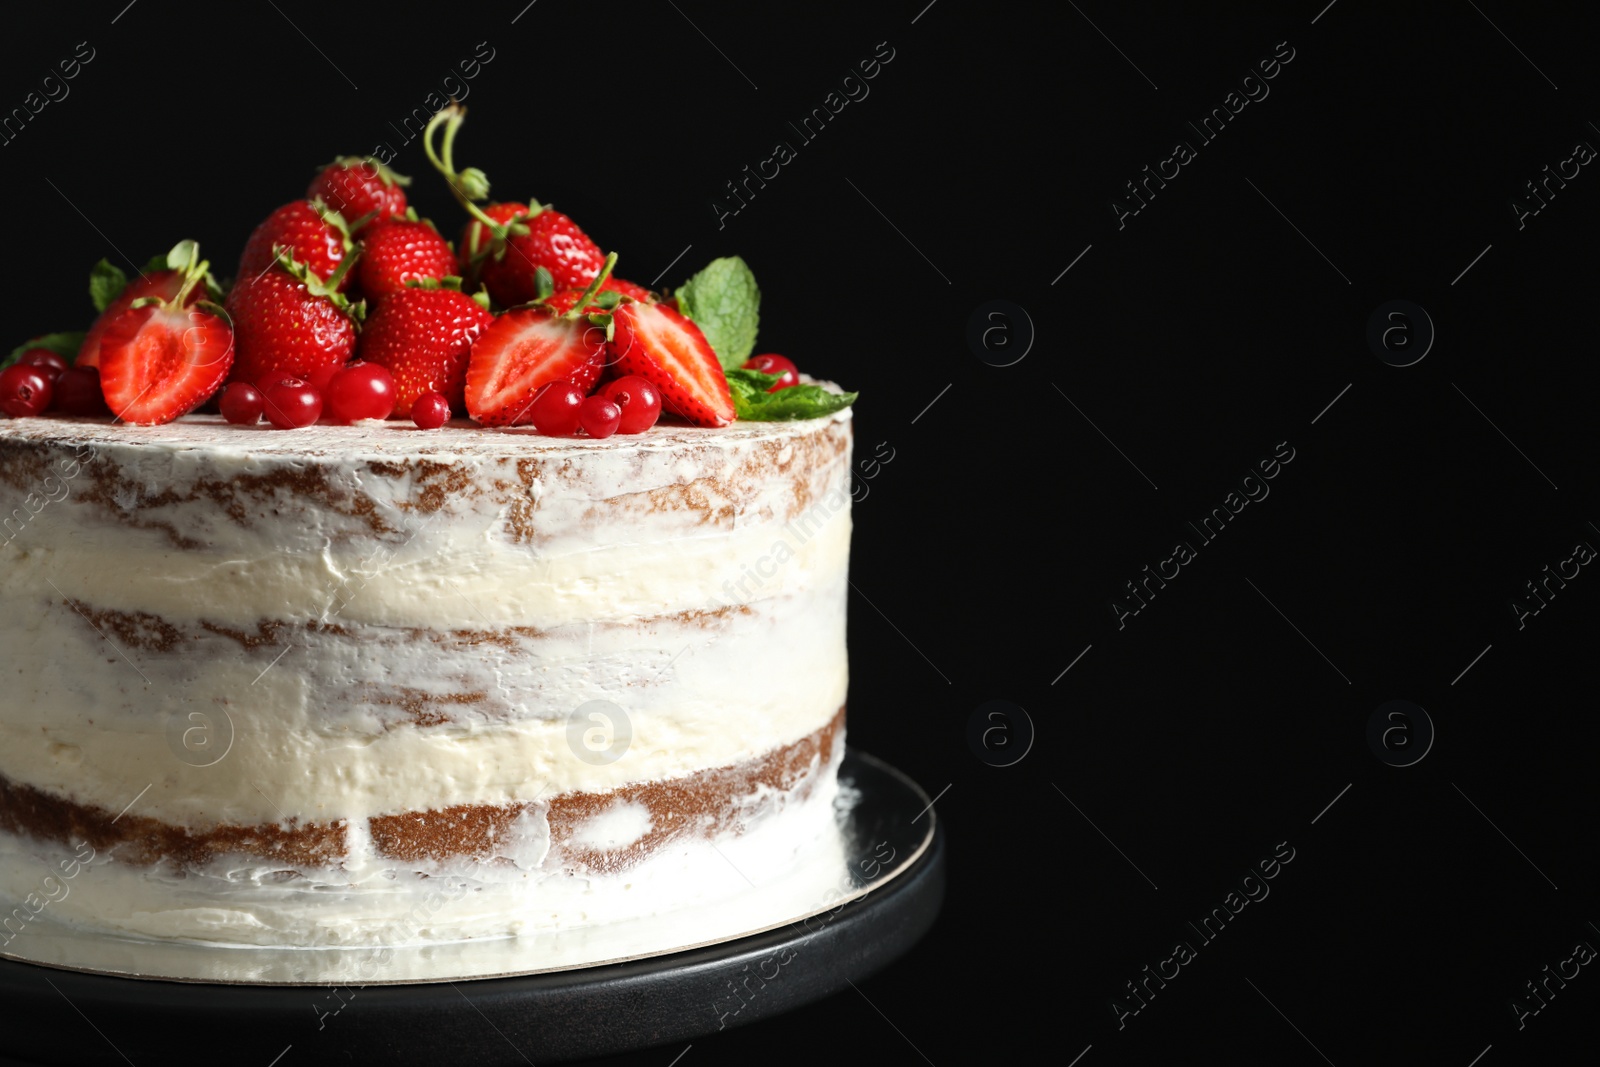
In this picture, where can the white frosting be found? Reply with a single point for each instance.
(674, 575)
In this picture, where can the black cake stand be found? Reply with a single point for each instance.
(67, 1016)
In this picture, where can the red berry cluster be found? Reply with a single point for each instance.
(42, 381)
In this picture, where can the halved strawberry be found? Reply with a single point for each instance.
(669, 351)
(163, 359)
(528, 348)
(524, 350)
(159, 283)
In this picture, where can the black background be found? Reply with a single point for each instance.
(1220, 320)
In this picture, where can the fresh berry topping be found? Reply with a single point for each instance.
(360, 391)
(163, 284)
(51, 363)
(554, 242)
(509, 249)
(363, 190)
(291, 403)
(557, 409)
(24, 390)
(430, 411)
(311, 233)
(242, 404)
(424, 338)
(662, 346)
(521, 352)
(528, 348)
(162, 360)
(77, 392)
(508, 262)
(772, 363)
(398, 251)
(597, 415)
(290, 325)
(638, 400)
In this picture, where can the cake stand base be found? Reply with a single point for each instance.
(70, 1017)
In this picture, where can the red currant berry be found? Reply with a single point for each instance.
(556, 407)
(772, 363)
(24, 390)
(319, 377)
(241, 404)
(599, 416)
(430, 411)
(360, 391)
(77, 392)
(639, 400)
(53, 364)
(291, 403)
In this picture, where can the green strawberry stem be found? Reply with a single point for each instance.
(192, 268)
(385, 175)
(594, 287)
(451, 117)
(329, 288)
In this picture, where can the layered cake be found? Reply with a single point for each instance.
(274, 688)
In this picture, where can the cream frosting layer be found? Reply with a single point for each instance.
(367, 620)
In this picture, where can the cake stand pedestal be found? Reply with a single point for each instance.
(61, 1015)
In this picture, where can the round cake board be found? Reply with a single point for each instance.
(65, 1016)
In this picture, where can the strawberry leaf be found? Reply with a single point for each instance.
(183, 253)
(724, 301)
(106, 282)
(65, 345)
(753, 403)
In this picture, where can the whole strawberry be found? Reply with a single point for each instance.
(361, 189)
(424, 337)
(308, 230)
(509, 243)
(398, 251)
(477, 236)
(545, 238)
(288, 322)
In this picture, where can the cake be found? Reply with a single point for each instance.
(274, 688)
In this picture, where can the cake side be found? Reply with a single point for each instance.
(380, 626)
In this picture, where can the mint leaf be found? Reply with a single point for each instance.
(65, 345)
(757, 381)
(724, 301)
(106, 282)
(753, 403)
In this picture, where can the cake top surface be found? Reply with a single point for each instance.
(389, 439)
